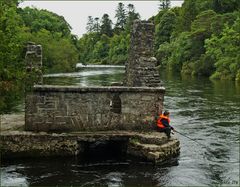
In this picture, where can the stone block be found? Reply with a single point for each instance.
(147, 98)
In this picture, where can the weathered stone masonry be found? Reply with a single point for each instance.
(70, 108)
(141, 65)
(33, 60)
(153, 146)
(64, 108)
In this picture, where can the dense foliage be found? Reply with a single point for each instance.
(200, 38)
(17, 27)
(11, 64)
(54, 34)
(105, 44)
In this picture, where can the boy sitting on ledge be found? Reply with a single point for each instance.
(163, 124)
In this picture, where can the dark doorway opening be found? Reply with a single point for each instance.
(116, 104)
(101, 151)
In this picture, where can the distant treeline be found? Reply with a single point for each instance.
(200, 38)
(105, 42)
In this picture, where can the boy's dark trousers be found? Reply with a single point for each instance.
(167, 131)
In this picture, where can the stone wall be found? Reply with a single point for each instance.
(27, 144)
(33, 60)
(141, 65)
(72, 108)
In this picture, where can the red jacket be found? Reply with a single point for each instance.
(163, 121)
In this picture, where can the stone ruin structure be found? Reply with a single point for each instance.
(67, 120)
(128, 107)
(33, 59)
(141, 66)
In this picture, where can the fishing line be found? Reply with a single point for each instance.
(208, 148)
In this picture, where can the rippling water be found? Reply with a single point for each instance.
(87, 77)
(208, 112)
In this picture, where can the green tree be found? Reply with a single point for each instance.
(86, 46)
(96, 25)
(164, 4)
(188, 14)
(100, 51)
(37, 19)
(59, 53)
(54, 34)
(224, 6)
(200, 31)
(203, 21)
(121, 17)
(180, 51)
(118, 52)
(11, 59)
(220, 20)
(225, 50)
(131, 16)
(165, 28)
(90, 24)
(106, 25)
(163, 53)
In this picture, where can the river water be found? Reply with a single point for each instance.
(206, 111)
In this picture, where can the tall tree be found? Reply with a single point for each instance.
(188, 14)
(164, 4)
(119, 44)
(101, 48)
(90, 24)
(11, 47)
(165, 28)
(225, 50)
(223, 6)
(96, 25)
(42, 19)
(121, 16)
(106, 25)
(131, 16)
(131, 8)
(86, 46)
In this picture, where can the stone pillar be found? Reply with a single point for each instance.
(141, 66)
(33, 60)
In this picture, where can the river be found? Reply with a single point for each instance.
(205, 111)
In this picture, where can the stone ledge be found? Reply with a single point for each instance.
(28, 144)
(54, 88)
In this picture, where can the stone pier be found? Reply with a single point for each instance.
(154, 147)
